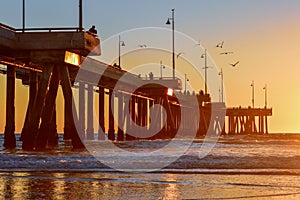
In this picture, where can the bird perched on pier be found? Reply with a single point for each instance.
(220, 45)
(235, 64)
(93, 31)
(226, 53)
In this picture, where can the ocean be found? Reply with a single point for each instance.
(237, 167)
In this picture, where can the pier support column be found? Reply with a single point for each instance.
(70, 110)
(120, 117)
(170, 126)
(155, 120)
(111, 129)
(48, 111)
(127, 116)
(9, 134)
(53, 137)
(266, 125)
(33, 87)
(67, 128)
(132, 113)
(35, 116)
(90, 120)
(139, 111)
(82, 110)
(101, 130)
(144, 112)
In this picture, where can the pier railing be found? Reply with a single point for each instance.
(42, 29)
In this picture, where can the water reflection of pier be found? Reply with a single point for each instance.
(45, 59)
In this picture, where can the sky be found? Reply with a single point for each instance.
(263, 34)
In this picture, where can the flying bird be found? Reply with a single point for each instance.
(180, 53)
(220, 45)
(226, 53)
(235, 64)
(142, 45)
(199, 43)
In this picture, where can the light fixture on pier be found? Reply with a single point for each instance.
(121, 43)
(205, 68)
(185, 82)
(161, 69)
(252, 86)
(222, 85)
(265, 89)
(170, 92)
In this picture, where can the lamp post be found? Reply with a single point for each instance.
(205, 68)
(222, 85)
(252, 85)
(161, 69)
(121, 43)
(80, 16)
(173, 39)
(23, 16)
(185, 81)
(265, 88)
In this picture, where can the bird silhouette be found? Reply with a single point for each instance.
(199, 43)
(220, 45)
(180, 53)
(235, 64)
(142, 45)
(226, 53)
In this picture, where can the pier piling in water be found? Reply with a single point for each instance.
(101, 131)
(111, 128)
(90, 113)
(9, 134)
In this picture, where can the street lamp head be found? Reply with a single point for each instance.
(168, 22)
(203, 56)
(122, 43)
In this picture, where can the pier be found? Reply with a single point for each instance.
(48, 58)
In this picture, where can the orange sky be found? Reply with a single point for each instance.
(264, 36)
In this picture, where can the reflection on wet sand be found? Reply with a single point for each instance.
(95, 185)
(172, 189)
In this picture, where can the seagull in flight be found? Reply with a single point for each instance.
(220, 45)
(142, 45)
(199, 43)
(235, 64)
(226, 53)
(180, 53)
